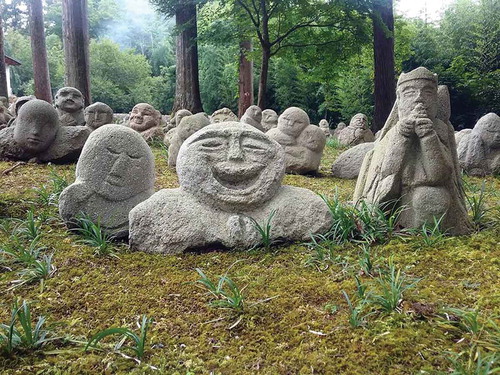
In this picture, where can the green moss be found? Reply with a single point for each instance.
(290, 333)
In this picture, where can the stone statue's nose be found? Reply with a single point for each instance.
(235, 152)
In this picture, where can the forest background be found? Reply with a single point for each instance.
(132, 59)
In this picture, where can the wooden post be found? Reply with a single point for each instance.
(245, 78)
(40, 63)
(3, 71)
(76, 46)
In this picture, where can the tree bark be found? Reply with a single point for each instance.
(76, 46)
(383, 49)
(264, 72)
(187, 85)
(40, 63)
(3, 72)
(245, 78)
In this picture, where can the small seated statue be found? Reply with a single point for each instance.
(146, 120)
(174, 122)
(336, 132)
(357, 132)
(323, 125)
(229, 174)
(69, 104)
(38, 137)
(479, 151)
(97, 115)
(269, 119)
(114, 173)
(223, 115)
(253, 116)
(303, 143)
(189, 125)
(414, 164)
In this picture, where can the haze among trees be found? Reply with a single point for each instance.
(315, 55)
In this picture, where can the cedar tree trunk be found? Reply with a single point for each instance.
(3, 72)
(264, 71)
(245, 78)
(40, 64)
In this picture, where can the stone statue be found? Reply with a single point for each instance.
(479, 151)
(69, 104)
(228, 173)
(357, 132)
(414, 162)
(341, 126)
(38, 137)
(174, 122)
(97, 115)
(459, 135)
(16, 106)
(5, 116)
(114, 173)
(189, 125)
(253, 116)
(4, 101)
(323, 125)
(303, 143)
(269, 119)
(223, 115)
(146, 120)
(348, 163)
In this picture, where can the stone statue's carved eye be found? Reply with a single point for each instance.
(254, 146)
(213, 144)
(135, 157)
(113, 151)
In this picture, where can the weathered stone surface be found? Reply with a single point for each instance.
(460, 135)
(253, 116)
(69, 104)
(303, 143)
(340, 126)
(348, 163)
(146, 120)
(4, 116)
(16, 106)
(479, 151)
(323, 125)
(38, 137)
(228, 173)
(188, 125)
(357, 132)
(223, 115)
(414, 162)
(114, 173)
(176, 119)
(97, 115)
(269, 119)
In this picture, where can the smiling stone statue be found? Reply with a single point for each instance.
(229, 174)
(114, 173)
(146, 120)
(69, 104)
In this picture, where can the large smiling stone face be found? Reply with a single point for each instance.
(231, 166)
(143, 117)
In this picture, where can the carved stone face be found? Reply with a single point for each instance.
(180, 114)
(231, 165)
(269, 116)
(69, 99)
(116, 163)
(98, 114)
(414, 92)
(293, 121)
(144, 117)
(359, 121)
(488, 127)
(254, 112)
(36, 126)
(222, 115)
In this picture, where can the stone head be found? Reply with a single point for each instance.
(69, 99)
(231, 165)
(143, 117)
(180, 114)
(191, 124)
(293, 121)
(222, 115)
(269, 116)
(98, 114)
(324, 124)
(417, 91)
(4, 101)
(488, 128)
(20, 102)
(254, 112)
(4, 116)
(359, 121)
(116, 163)
(36, 126)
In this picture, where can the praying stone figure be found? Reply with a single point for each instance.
(269, 119)
(223, 115)
(229, 173)
(357, 132)
(38, 137)
(479, 151)
(253, 116)
(146, 120)
(323, 125)
(414, 162)
(189, 125)
(97, 115)
(303, 143)
(69, 104)
(114, 173)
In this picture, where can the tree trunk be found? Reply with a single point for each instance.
(187, 85)
(383, 48)
(3, 72)
(245, 78)
(76, 46)
(264, 71)
(40, 63)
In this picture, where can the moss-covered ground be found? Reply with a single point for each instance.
(295, 318)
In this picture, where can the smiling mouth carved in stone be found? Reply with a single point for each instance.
(114, 180)
(237, 176)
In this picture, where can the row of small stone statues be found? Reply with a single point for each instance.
(230, 176)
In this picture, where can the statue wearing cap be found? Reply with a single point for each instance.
(414, 163)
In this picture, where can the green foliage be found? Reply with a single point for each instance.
(264, 230)
(226, 293)
(30, 228)
(357, 316)
(94, 236)
(431, 233)
(37, 270)
(477, 207)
